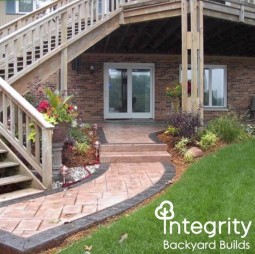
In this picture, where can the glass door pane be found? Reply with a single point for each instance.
(141, 91)
(118, 91)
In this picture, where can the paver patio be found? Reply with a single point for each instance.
(120, 183)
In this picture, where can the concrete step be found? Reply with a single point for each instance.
(18, 194)
(132, 147)
(134, 157)
(14, 179)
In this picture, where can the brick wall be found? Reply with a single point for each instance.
(88, 87)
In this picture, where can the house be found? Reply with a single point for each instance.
(118, 57)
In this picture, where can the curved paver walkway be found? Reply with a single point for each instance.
(37, 223)
(122, 181)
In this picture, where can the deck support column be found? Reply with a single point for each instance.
(63, 68)
(192, 48)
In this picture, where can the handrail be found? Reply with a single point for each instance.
(17, 118)
(28, 18)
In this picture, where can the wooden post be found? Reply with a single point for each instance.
(184, 54)
(47, 158)
(201, 61)
(63, 85)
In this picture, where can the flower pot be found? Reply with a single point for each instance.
(60, 133)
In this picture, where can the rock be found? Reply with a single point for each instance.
(195, 152)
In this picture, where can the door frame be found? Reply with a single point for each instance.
(129, 114)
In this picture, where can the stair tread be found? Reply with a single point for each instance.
(3, 151)
(18, 194)
(7, 164)
(142, 153)
(14, 179)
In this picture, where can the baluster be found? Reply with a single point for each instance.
(33, 46)
(103, 8)
(41, 40)
(117, 4)
(91, 12)
(86, 11)
(5, 117)
(73, 22)
(57, 30)
(37, 144)
(112, 6)
(27, 134)
(6, 48)
(97, 13)
(12, 119)
(49, 35)
(15, 69)
(20, 126)
(24, 55)
(79, 17)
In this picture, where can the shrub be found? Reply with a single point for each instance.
(188, 157)
(171, 130)
(186, 123)
(181, 146)
(78, 134)
(208, 140)
(81, 148)
(228, 128)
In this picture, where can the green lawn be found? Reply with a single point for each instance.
(215, 188)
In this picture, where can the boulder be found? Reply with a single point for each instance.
(195, 152)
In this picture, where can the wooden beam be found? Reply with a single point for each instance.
(201, 61)
(184, 72)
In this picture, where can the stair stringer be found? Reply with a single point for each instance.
(50, 63)
(11, 156)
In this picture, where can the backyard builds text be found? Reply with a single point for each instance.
(165, 213)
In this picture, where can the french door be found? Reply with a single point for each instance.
(128, 90)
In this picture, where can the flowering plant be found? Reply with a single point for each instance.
(57, 108)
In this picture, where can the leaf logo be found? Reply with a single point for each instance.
(165, 211)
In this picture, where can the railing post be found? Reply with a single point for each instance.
(63, 70)
(47, 158)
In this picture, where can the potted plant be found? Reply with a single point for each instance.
(174, 93)
(57, 110)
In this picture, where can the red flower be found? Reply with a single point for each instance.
(70, 108)
(43, 106)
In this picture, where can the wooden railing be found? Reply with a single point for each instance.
(31, 17)
(18, 116)
(41, 37)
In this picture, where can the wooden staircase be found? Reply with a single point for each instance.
(16, 180)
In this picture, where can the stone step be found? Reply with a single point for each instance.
(2, 151)
(134, 157)
(18, 194)
(14, 179)
(132, 147)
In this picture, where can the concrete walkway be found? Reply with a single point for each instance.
(123, 183)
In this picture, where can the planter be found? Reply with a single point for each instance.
(60, 133)
(58, 138)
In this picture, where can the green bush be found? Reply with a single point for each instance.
(181, 146)
(79, 135)
(228, 128)
(81, 148)
(208, 140)
(171, 130)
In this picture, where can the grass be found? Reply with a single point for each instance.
(215, 188)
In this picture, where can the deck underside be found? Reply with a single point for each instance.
(154, 27)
